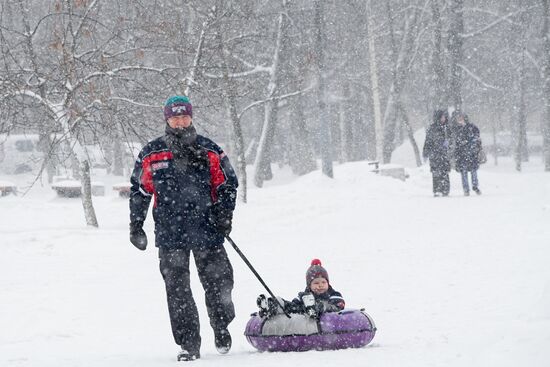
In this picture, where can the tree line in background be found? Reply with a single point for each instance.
(281, 81)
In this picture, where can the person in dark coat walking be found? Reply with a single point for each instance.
(193, 188)
(466, 152)
(436, 149)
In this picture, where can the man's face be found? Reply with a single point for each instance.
(460, 120)
(180, 122)
(319, 285)
(443, 119)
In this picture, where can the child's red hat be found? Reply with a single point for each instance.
(315, 271)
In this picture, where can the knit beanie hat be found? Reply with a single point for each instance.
(315, 271)
(177, 106)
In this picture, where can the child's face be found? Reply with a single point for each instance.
(319, 285)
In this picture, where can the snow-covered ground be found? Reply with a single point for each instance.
(457, 281)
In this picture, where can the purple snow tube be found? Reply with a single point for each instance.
(335, 330)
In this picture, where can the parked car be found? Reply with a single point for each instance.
(19, 154)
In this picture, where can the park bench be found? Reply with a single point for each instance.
(390, 170)
(73, 188)
(7, 188)
(123, 189)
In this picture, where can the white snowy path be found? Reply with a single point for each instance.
(457, 281)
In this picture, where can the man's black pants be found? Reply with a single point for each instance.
(216, 275)
(441, 183)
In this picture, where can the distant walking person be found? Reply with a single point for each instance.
(193, 188)
(436, 149)
(466, 153)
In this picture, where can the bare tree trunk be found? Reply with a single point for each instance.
(521, 153)
(439, 84)
(520, 130)
(410, 134)
(399, 76)
(494, 126)
(346, 126)
(359, 117)
(375, 93)
(369, 124)
(239, 145)
(546, 123)
(302, 158)
(263, 158)
(390, 113)
(192, 75)
(455, 41)
(334, 116)
(324, 127)
(87, 204)
(341, 154)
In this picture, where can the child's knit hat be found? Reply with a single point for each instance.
(315, 271)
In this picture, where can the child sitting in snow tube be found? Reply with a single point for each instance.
(318, 297)
(315, 319)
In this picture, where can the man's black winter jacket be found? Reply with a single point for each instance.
(184, 197)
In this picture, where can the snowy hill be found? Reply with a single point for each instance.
(457, 281)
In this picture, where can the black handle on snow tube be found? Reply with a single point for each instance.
(256, 273)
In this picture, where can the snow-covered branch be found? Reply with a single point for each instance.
(491, 25)
(274, 98)
(491, 13)
(258, 69)
(26, 93)
(84, 18)
(114, 72)
(190, 78)
(535, 62)
(478, 78)
(133, 102)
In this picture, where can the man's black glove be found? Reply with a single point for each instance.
(138, 236)
(221, 219)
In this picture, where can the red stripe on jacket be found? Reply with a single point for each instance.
(217, 177)
(147, 175)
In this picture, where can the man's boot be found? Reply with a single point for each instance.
(222, 339)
